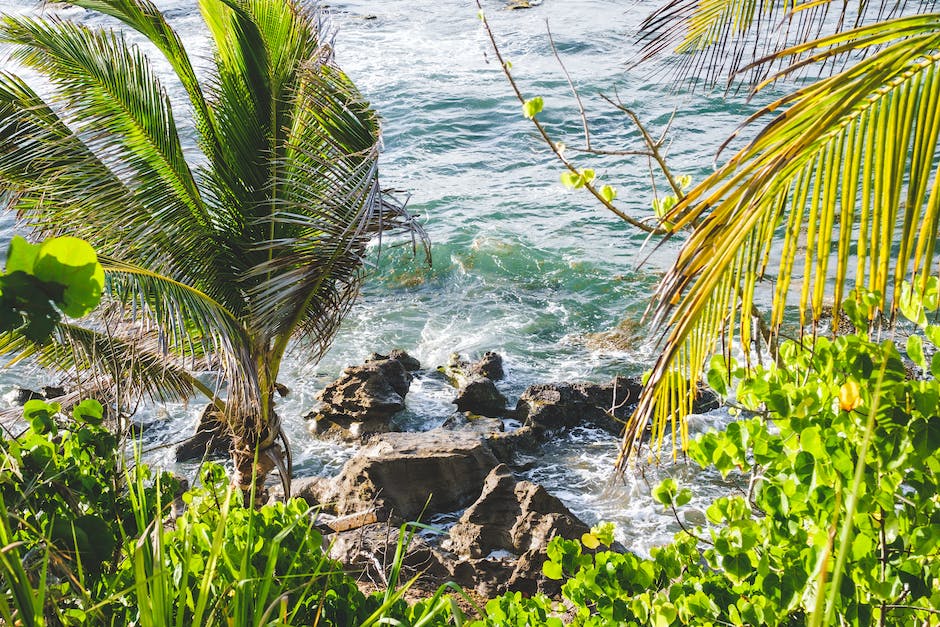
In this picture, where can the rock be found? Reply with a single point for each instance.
(53, 391)
(459, 371)
(361, 401)
(490, 366)
(211, 439)
(480, 396)
(564, 405)
(410, 363)
(375, 389)
(511, 516)
(481, 425)
(24, 395)
(506, 444)
(405, 476)
(370, 551)
(407, 361)
(514, 516)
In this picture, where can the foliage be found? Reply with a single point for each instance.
(766, 556)
(102, 550)
(65, 509)
(215, 266)
(837, 191)
(42, 281)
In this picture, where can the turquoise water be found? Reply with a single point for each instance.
(521, 266)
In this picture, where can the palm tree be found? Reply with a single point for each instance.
(840, 185)
(213, 260)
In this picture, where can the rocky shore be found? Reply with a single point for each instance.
(493, 529)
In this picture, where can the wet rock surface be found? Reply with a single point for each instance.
(404, 476)
(363, 399)
(211, 439)
(498, 545)
(475, 382)
(499, 542)
(480, 396)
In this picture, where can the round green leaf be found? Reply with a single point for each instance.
(71, 262)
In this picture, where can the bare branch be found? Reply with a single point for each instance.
(556, 150)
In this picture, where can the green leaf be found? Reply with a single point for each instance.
(588, 176)
(718, 375)
(39, 414)
(915, 350)
(71, 262)
(571, 180)
(532, 107)
(552, 570)
(608, 193)
(911, 305)
(21, 255)
(89, 411)
(665, 492)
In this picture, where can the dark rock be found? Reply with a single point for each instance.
(53, 391)
(24, 395)
(405, 476)
(518, 517)
(362, 400)
(514, 516)
(506, 444)
(480, 396)
(410, 363)
(370, 552)
(490, 366)
(375, 389)
(342, 428)
(565, 405)
(212, 438)
(482, 425)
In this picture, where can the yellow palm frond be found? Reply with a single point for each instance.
(845, 175)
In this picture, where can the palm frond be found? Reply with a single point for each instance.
(717, 39)
(125, 369)
(330, 206)
(189, 321)
(846, 174)
(45, 166)
(146, 19)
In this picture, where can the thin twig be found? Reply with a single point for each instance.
(652, 144)
(556, 150)
(577, 96)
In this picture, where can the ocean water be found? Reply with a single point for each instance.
(521, 266)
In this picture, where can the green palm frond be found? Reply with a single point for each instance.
(189, 321)
(121, 114)
(106, 364)
(845, 174)
(45, 166)
(144, 17)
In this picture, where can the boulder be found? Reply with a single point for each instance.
(564, 405)
(212, 438)
(459, 370)
(480, 396)
(370, 552)
(407, 476)
(482, 425)
(515, 517)
(362, 400)
(489, 366)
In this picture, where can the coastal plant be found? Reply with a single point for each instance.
(790, 546)
(85, 542)
(837, 192)
(217, 252)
